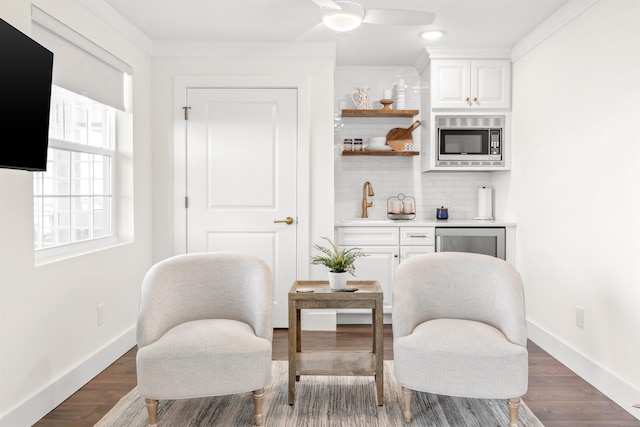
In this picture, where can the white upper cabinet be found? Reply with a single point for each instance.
(471, 84)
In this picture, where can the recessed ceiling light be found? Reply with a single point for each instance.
(432, 34)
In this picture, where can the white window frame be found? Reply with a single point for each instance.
(72, 248)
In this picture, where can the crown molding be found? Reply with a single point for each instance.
(468, 53)
(245, 49)
(114, 19)
(422, 61)
(567, 13)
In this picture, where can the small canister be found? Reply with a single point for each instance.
(357, 144)
(442, 213)
(347, 144)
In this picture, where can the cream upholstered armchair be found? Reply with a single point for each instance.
(459, 328)
(205, 329)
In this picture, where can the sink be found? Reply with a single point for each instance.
(369, 221)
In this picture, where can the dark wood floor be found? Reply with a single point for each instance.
(557, 396)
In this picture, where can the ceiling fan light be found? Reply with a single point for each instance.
(341, 21)
(432, 34)
(347, 18)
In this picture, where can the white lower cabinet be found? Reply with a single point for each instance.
(408, 251)
(386, 247)
(380, 264)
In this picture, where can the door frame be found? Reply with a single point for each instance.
(302, 85)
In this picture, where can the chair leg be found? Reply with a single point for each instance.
(514, 405)
(152, 409)
(407, 395)
(258, 398)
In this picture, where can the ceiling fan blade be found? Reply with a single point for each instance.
(327, 4)
(398, 17)
(317, 32)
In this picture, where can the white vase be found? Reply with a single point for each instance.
(338, 280)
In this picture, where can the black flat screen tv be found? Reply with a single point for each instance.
(26, 69)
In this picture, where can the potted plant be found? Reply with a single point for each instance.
(338, 261)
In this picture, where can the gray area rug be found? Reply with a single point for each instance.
(321, 401)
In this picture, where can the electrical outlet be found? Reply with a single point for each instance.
(100, 314)
(579, 317)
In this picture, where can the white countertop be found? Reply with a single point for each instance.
(385, 222)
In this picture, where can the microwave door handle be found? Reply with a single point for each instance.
(438, 242)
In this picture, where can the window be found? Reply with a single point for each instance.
(74, 208)
(73, 199)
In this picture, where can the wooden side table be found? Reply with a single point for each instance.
(318, 295)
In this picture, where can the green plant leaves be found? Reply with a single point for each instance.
(336, 259)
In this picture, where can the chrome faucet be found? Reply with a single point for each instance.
(365, 203)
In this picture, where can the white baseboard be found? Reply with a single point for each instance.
(616, 389)
(41, 403)
(360, 318)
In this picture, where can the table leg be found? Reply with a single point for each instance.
(298, 331)
(293, 345)
(298, 335)
(373, 329)
(379, 350)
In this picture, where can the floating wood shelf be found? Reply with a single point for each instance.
(379, 113)
(380, 153)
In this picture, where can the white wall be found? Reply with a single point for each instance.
(49, 337)
(574, 192)
(319, 71)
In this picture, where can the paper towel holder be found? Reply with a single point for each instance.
(485, 204)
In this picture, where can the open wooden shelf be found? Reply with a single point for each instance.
(379, 113)
(380, 153)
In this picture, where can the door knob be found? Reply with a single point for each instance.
(288, 220)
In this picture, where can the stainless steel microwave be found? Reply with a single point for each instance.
(470, 144)
(470, 141)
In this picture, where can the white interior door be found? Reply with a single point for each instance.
(241, 178)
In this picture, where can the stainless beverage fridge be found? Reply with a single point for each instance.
(481, 240)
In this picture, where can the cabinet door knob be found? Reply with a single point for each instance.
(467, 99)
(395, 255)
(475, 99)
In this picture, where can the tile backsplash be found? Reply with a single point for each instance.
(390, 176)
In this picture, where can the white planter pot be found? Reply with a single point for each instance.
(338, 280)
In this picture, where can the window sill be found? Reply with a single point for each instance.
(64, 252)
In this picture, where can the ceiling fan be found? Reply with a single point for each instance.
(346, 15)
